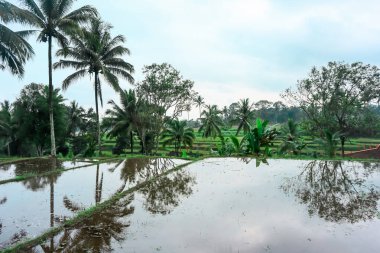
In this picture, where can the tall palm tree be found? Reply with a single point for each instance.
(123, 117)
(14, 49)
(211, 121)
(244, 115)
(176, 132)
(199, 101)
(54, 20)
(96, 53)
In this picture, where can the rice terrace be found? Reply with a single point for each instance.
(189, 126)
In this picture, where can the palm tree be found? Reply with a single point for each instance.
(96, 53)
(211, 121)
(329, 142)
(176, 132)
(6, 126)
(123, 118)
(290, 135)
(244, 114)
(55, 21)
(14, 49)
(199, 101)
(75, 118)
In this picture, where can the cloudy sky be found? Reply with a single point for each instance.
(232, 49)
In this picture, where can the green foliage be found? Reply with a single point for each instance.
(178, 134)
(329, 143)
(244, 115)
(31, 118)
(335, 97)
(260, 136)
(211, 122)
(291, 138)
(14, 49)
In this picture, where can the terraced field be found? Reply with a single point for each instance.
(203, 146)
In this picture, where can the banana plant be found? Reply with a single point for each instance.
(259, 137)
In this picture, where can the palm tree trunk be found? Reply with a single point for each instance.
(97, 112)
(131, 140)
(50, 101)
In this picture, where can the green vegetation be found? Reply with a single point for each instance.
(339, 98)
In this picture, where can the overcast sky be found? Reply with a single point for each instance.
(231, 49)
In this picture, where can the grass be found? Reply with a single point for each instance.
(86, 214)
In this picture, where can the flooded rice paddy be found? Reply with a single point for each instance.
(30, 207)
(215, 205)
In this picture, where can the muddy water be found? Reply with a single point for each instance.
(35, 166)
(30, 207)
(230, 205)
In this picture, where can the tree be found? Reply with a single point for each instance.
(76, 116)
(123, 118)
(329, 142)
(211, 122)
(177, 133)
(14, 49)
(6, 125)
(30, 116)
(96, 53)
(55, 21)
(244, 114)
(167, 91)
(199, 101)
(334, 97)
(291, 138)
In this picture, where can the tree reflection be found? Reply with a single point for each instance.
(165, 193)
(336, 191)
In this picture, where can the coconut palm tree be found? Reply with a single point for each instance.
(96, 53)
(54, 20)
(123, 117)
(211, 122)
(176, 132)
(244, 115)
(75, 115)
(199, 101)
(291, 138)
(14, 49)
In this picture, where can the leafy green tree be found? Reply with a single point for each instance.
(177, 133)
(168, 93)
(14, 49)
(31, 111)
(211, 122)
(7, 129)
(334, 97)
(95, 52)
(244, 114)
(291, 138)
(55, 21)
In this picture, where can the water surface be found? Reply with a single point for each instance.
(30, 207)
(230, 205)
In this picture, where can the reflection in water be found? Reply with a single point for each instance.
(96, 233)
(335, 192)
(165, 193)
